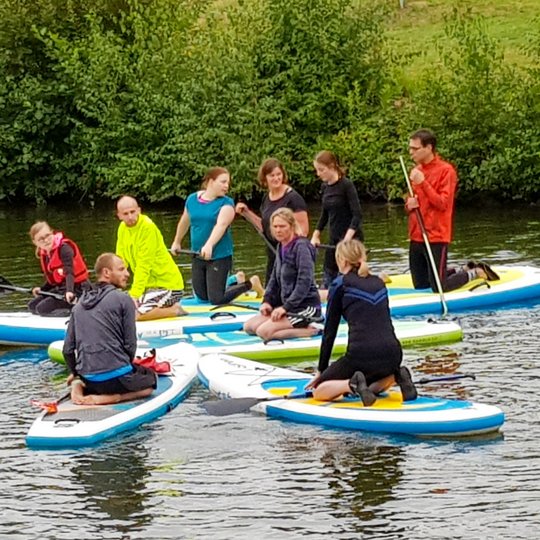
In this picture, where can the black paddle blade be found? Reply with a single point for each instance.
(4, 281)
(224, 407)
(7, 286)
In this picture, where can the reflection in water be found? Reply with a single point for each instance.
(361, 473)
(114, 478)
(364, 476)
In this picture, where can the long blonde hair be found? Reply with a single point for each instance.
(354, 252)
(287, 215)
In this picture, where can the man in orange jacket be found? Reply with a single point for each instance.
(434, 183)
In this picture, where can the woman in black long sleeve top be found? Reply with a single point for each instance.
(373, 355)
(340, 210)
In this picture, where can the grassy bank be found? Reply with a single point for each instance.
(419, 27)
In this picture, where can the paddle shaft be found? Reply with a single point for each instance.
(269, 245)
(187, 252)
(29, 291)
(426, 240)
(224, 407)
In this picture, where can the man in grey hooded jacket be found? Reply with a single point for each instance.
(101, 341)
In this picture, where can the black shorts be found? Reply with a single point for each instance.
(374, 368)
(303, 318)
(139, 379)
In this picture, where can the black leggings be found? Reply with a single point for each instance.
(209, 281)
(55, 307)
(422, 273)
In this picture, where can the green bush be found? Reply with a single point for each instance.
(142, 96)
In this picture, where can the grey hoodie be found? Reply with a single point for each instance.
(101, 334)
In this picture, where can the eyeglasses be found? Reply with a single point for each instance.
(43, 237)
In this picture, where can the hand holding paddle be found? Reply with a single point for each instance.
(6, 285)
(418, 177)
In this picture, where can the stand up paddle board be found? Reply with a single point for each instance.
(24, 328)
(83, 425)
(409, 333)
(233, 377)
(517, 284)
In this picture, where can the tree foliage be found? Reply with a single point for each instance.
(142, 96)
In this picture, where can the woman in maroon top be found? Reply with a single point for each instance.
(273, 176)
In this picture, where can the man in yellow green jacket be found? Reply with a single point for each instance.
(157, 284)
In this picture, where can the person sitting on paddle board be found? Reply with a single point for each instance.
(209, 214)
(101, 341)
(340, 209)
(373, 358)
(273, 177)
(64, 268)
(157, 285)
(291, 301)
(434, 183)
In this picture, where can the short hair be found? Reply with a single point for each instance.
(267, 166)
(36, 227)
(286, 214)
(426, 137)
(124, 197)
(212, 174)
(329, 159)
(105, 260)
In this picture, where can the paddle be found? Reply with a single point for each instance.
(234, 304)
(7, 285)
(225, 407)
(426, 241)
(50, 406)
(186, 252)
(248, 218)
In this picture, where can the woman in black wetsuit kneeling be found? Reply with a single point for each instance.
(372, 362)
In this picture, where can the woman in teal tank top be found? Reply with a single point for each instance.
(209, 213)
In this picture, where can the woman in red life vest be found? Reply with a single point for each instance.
(64, 268)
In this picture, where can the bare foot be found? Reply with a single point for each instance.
(77, 392)
(257, 286)
(480, 273)
(240, 277)
(100, 399)
(180, 311)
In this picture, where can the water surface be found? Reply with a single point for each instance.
(189, 475)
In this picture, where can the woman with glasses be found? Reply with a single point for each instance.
(64, 268)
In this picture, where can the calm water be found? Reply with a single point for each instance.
(189, 475)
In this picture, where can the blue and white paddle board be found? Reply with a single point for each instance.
(409, 333)
(24, 328)
(233, 377)
(85, 425)
(518, 284)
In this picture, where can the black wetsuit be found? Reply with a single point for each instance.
(341, 210)
(372, 345)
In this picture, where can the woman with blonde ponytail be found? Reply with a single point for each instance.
(372, 362)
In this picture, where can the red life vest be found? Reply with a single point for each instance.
(52, 266)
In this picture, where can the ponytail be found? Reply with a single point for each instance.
(354, 252)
